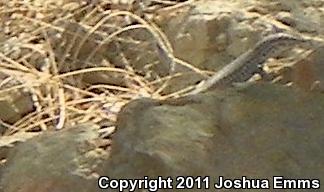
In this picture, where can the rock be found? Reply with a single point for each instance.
(307, 73)
(14, 105)
(309, 20)
(137, 51)
(260, 131)
(202, 34)
(286, 18)
(211, 34)
(61, 161)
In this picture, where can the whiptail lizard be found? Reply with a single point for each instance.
(250, 62)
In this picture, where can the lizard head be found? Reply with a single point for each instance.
(274, 44)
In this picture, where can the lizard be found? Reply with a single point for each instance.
(250, 62)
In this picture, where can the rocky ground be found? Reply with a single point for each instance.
(68, 67)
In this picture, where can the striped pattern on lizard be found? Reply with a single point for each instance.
(250, 62)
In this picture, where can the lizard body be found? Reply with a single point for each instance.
(250, 62)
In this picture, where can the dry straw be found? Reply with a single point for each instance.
(57, 101)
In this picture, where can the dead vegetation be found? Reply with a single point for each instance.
(74, 61)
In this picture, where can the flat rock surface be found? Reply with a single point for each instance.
(210, 34)
(260, 131)
(62, 161)
(257, 131)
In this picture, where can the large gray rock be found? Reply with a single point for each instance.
(210, 34)
(308, 72)
(260, 131)
(62, 161)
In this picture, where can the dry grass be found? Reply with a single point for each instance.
(30, 63)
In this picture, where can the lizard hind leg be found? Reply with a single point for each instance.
(264, 75)
(260, 71)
